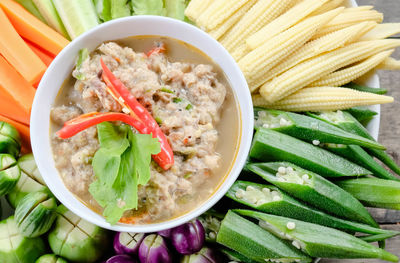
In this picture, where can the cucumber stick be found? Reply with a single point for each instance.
(49, 12)
(78, 16)
(32, 8)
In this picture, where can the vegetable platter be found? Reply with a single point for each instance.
(313, 166)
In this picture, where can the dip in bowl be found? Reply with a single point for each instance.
(187, 83)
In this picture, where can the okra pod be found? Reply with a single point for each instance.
(359, 156)
(376, 238)
(255, 243)
(316, 240)
(270, 199)
(374, 192)
(348, 123)
(363, 88)
(313, 189)
(362, 113)
(307, 128)
(235, 256)
(269, 145)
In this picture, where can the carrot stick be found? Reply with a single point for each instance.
(12, 109)
(18, 54)
(31, 28)
(15, 85)
(23, 131)
(46, 57)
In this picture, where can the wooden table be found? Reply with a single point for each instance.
(390, 127)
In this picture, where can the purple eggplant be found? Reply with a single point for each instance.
(127, 243)
(205, 255)
(188, 238)
(154, 249)
(121, 259)
(165, 233)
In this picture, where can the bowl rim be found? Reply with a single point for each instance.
(40, 136)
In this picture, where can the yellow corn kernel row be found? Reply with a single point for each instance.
(330, 5)
(347, 19)
(239, 52)
(221, 29)
(316, 47)
(282, 23)
(390, 64)
(382, 31)
(217, 12)
(263, 12)
(196, 8)
(259, 61)
(323, 98)
(344, 76)
(313, 69)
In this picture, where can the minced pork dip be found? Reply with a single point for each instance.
(190, 100)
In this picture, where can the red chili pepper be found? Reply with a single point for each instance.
(160, 48)
(122, 94)
(81, 123)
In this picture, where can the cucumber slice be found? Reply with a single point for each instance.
(31, 7)
(49, 12)
(78, 16)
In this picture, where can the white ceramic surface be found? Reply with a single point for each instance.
(61, 68)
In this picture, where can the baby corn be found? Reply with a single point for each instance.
(282, 23)
(326, 43)
(313, 69)
(323, 98)
(346, 19)
(358, 8)
(382, 31)
(262, 59)
(196, 7)
(221, 29)
(390, 64)
(327, 7)
(344, 76)
(217, 12)
(263, 12)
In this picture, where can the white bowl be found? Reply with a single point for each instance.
(61, 68)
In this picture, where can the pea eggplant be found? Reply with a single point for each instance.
(269, 145)
(348, 123)
(35, 214)
(9, 173)
(255, 243)
(270, 199)
(313, 189)
(316, 240)
(10, 140)
(308, 128)
(15, 248)
(76, 239)
(374, 192)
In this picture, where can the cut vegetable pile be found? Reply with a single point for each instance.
(310, 175)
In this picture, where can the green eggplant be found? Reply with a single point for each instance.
(316, 240)
(50, 258)
(269, 145)
(15, 248)
(308, 129)
(76, 239)
(35, 214)
(313, 189)
(10, 140)
(9, 173)
(271, 200)
(254, 242)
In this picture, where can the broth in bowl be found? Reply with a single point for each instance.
(189, 97)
